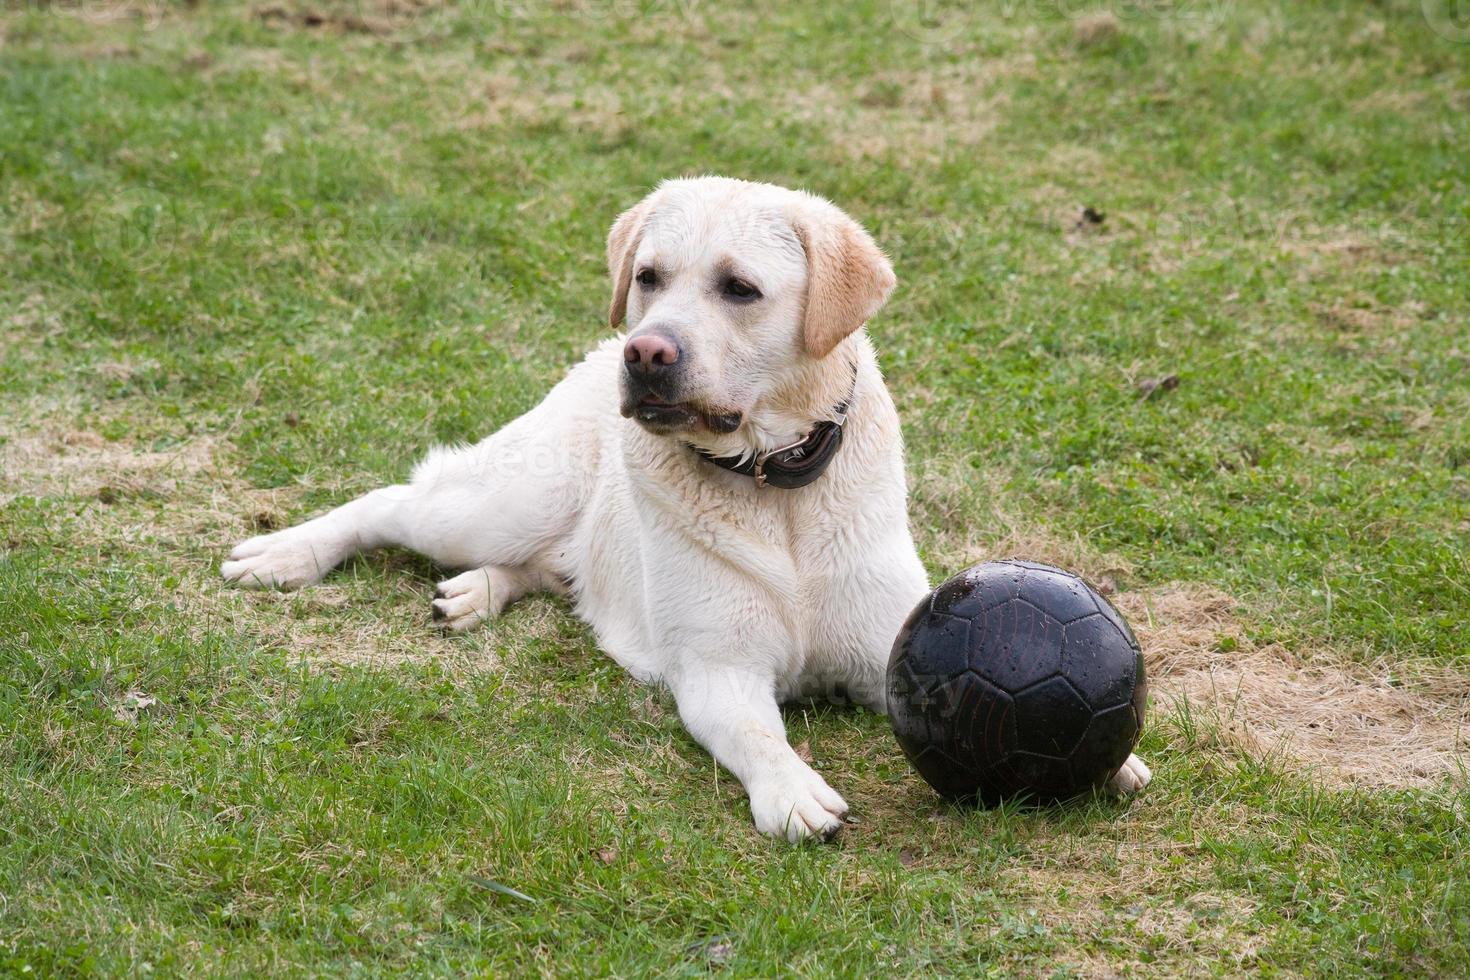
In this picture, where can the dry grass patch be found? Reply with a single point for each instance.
(1320, 250)
(1096, 27)
(504, 99)
(911, 113)
(176, 501)
(1090, 886)
(1398, 725)
(1111, 887)
(1362, 315)
(383, 18)
(82, 463)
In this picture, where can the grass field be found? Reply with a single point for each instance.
(258, 256)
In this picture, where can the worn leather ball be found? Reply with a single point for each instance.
(1016, 679)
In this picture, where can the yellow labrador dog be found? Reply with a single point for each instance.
(722, 490)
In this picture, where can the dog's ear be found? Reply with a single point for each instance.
(622, 244)
(848, 277)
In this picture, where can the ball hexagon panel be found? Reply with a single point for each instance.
(1051, 717)
(968, 594)
(945, 642)
(1099, 662)
(1063, 595)
(983, 715)
(1015, 645)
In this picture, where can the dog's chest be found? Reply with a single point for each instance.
(794, 550)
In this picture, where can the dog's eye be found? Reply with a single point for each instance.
(647, 277)
(739, 289)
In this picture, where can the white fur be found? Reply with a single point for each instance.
(736, 598)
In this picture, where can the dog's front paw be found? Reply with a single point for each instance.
(796, 805)
(1133, 777)
(464, 602)
(284, 560)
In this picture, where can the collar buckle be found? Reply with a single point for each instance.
(760, 459)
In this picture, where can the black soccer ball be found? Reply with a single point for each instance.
(1015, 678)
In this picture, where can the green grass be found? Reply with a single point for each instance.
(273, 261)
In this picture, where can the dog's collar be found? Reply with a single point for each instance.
(800, 463)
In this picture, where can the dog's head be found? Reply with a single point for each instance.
(731, 291)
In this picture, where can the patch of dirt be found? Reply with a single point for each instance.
(80, 462)
(1342, 247)
(1394, 725)
(1096, 27)
(1362, 315)
(1210, 924)
(383, 18)
(912, 113)
(505, 99)
(190, 499)
(190, 504)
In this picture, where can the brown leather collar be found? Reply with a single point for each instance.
(794, 466)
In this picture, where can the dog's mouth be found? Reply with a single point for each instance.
(657, 415)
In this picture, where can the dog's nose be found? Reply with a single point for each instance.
(650, 352)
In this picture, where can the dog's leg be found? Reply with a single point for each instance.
(302, 555)
(735, 716)
(859, 619)
(500, 504)
(466, 600)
